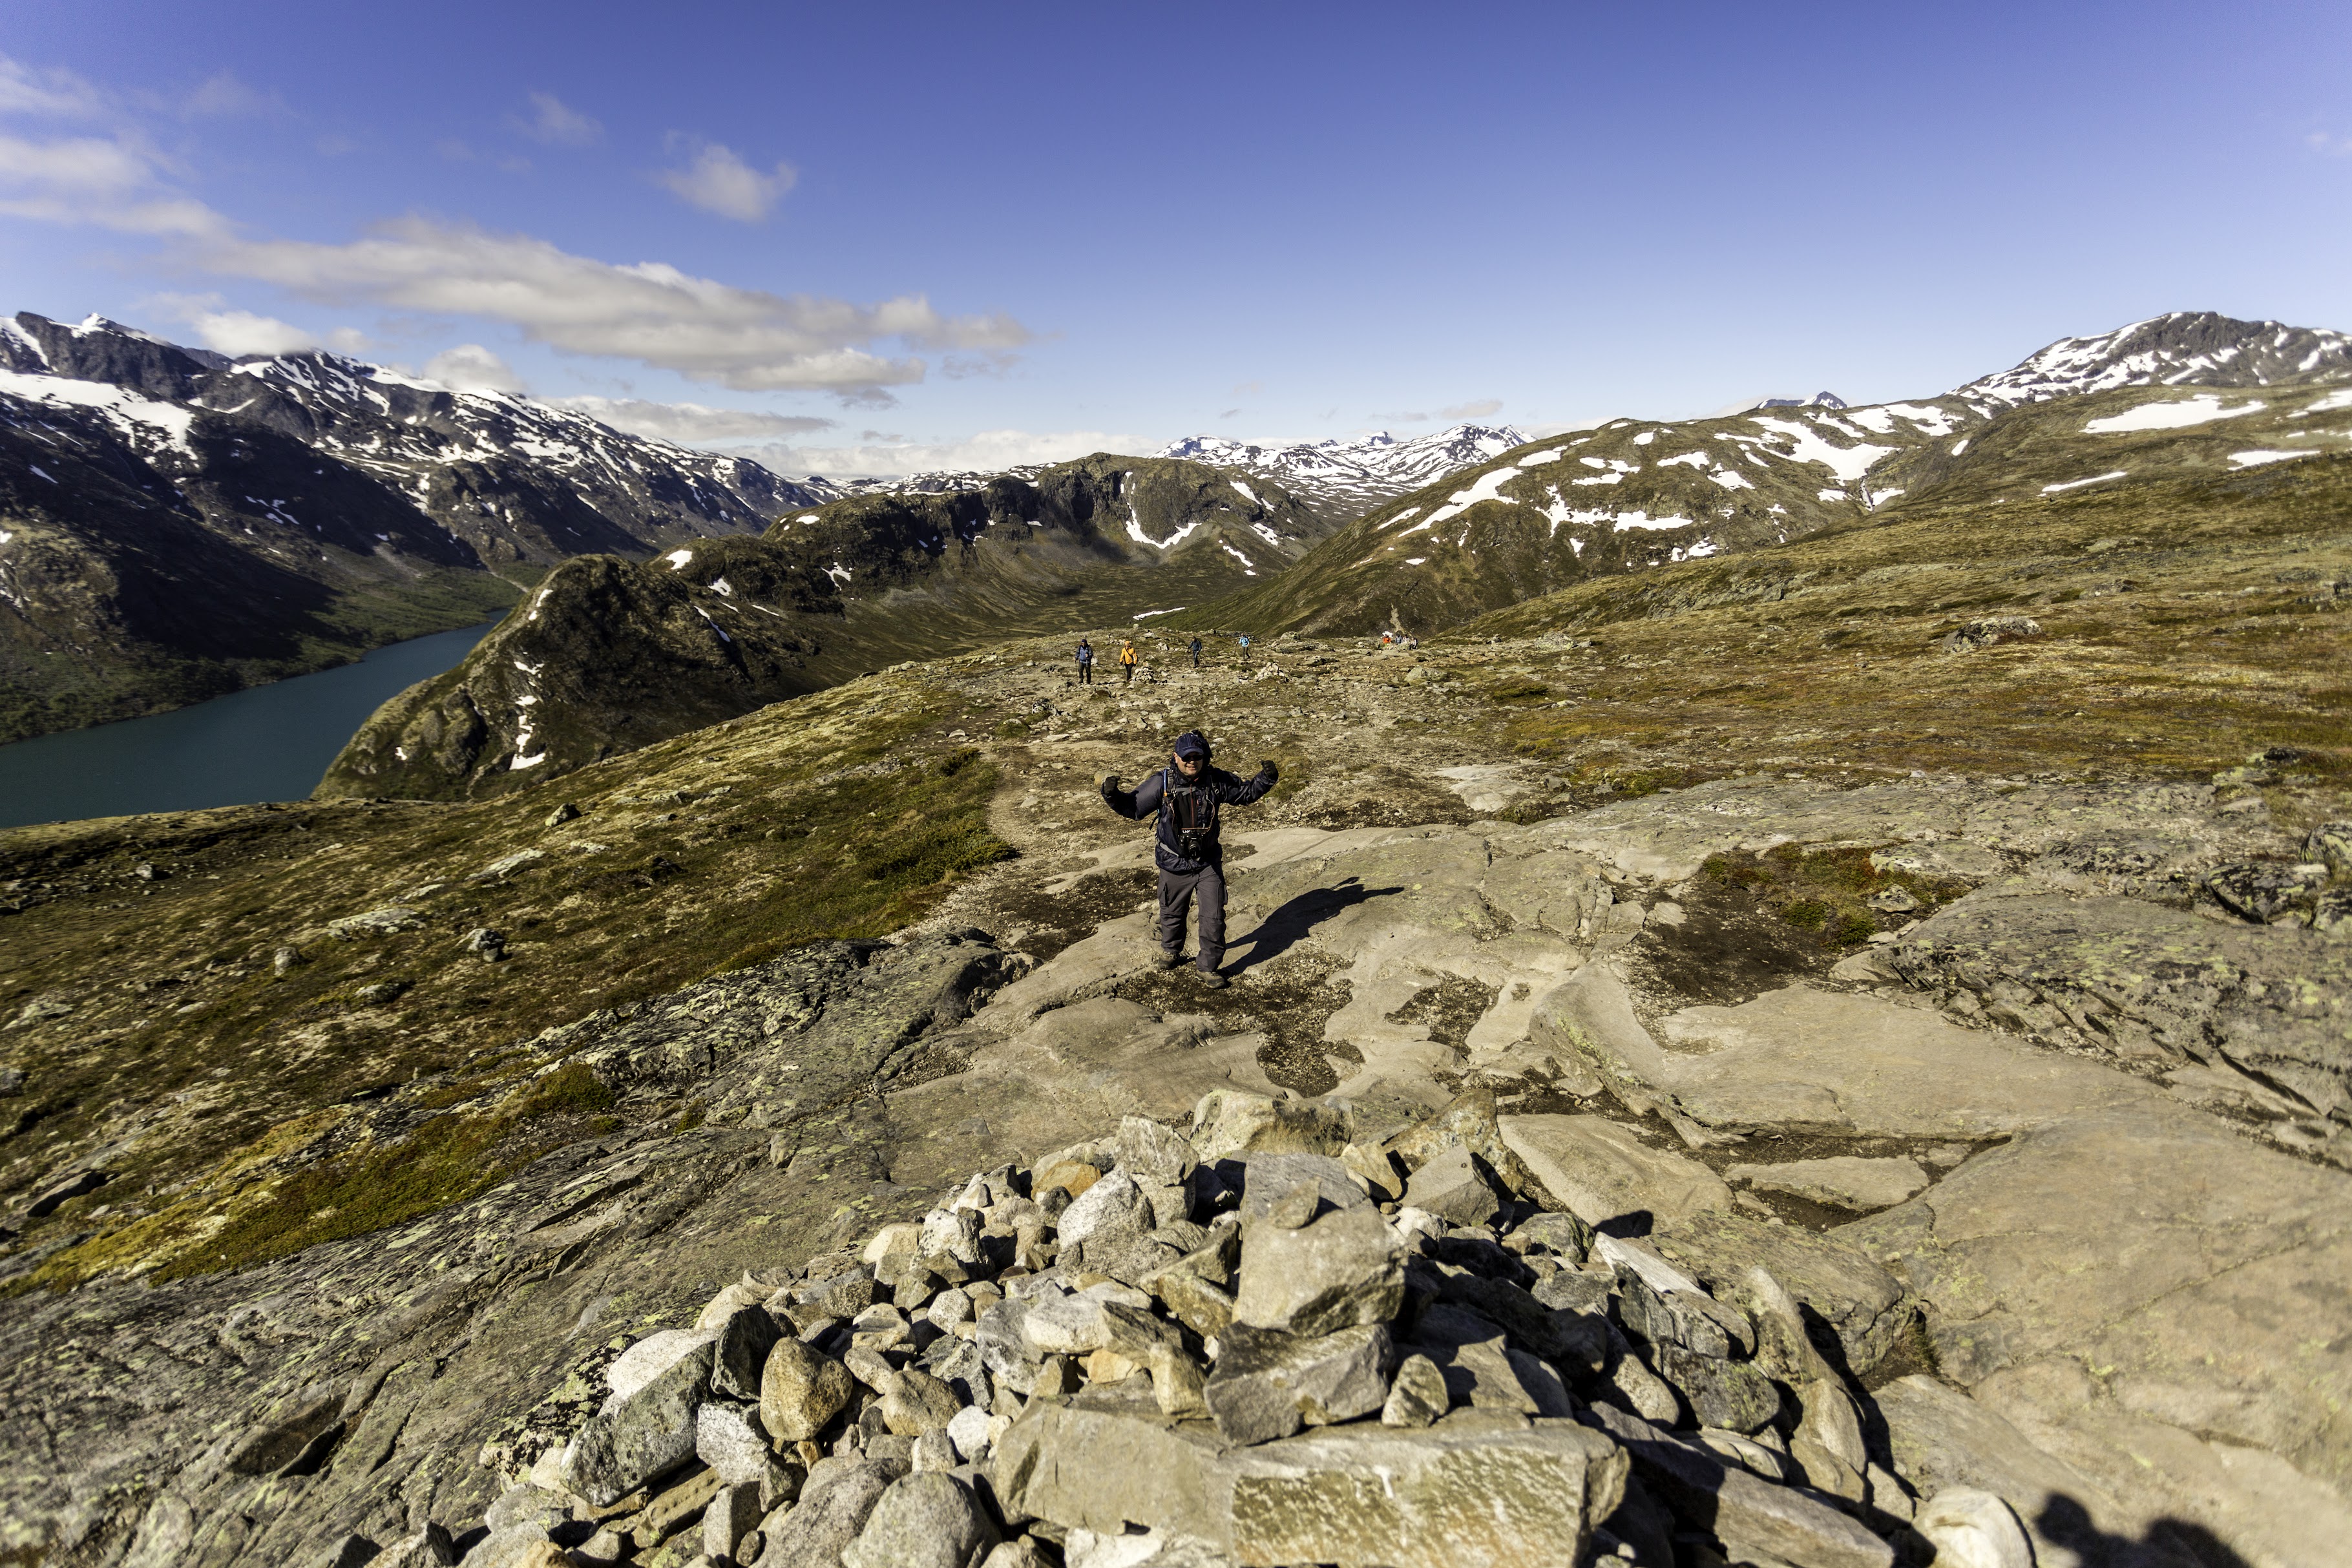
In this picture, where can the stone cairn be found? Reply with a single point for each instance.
(1272, 1342)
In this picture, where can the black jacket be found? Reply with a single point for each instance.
(1225, 789)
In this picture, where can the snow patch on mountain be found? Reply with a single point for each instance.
(2203, 409)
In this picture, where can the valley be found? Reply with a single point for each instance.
(1991, 840)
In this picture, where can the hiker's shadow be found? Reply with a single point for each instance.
(1284, 927)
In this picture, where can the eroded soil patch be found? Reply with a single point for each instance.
(1287, 999)
(1027, 918)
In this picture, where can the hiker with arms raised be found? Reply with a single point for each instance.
(1186, 796)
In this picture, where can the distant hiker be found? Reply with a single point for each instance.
(1126, 660)
(1186, 847)
(1086, 662)
(1244, 640)
(1196, 652)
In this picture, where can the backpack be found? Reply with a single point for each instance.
(1190, 812)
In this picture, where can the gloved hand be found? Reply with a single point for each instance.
(1109, 785)
(1273, 774)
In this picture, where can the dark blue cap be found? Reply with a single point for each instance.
(1191, 744)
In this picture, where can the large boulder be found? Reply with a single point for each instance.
(926, 1520)
(1317, 1257)
(1473, 1488)
(642, 1435)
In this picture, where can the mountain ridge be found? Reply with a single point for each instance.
(1633, 493)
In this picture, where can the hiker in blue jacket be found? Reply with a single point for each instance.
(1185, 796)
(1086, 662)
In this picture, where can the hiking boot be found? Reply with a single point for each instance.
(1171, 960)
(1213, 980)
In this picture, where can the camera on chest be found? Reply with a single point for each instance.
(1192, 814)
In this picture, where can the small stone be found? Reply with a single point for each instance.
(730, 1440)
(566, 812)
(1728, 1394)
(381, 992)
(729, 1517)
(917, 1402)
(1563, 1235)
(485, 942)
(1971, 1529)
(1065, 1325)
(285, 958)
(1228, 1123)
(1111, 1210)
(1268, 1385)
(927, 1520)
(1153, 1154)
(948, 1308)
(1418, 1395)
(1341, 1268)
(934, 1451)
(427, 1548)
(972, 1431)
(740, 1353)
(902, 1237)
(801, 1390)
(953, 1233)
(674, 1508)
(1449, 1185)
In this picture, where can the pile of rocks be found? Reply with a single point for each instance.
(1280, 1338)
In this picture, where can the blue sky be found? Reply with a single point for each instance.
(879, 237)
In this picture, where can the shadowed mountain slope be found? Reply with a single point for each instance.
(609, 654)
(175, 524)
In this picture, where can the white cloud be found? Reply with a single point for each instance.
(469, 367)
(112, 182)
(690, 423)
(983, 452)
(57, 93)
(557, 124)
(652, 313)
(2328, 146)
(717, 180)
(222, 96)
(1477, 410)
(243, 332)
(649, 311)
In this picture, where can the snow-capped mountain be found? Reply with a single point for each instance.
(2184, 348)
(1341, 479)
(175, 524)
(1633, 493)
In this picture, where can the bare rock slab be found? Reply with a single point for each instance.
(1598, 1170)
(1842, 1181)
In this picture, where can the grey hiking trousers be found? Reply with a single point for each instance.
(1176, 892)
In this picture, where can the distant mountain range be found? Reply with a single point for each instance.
(1638, 493)
(179, 524)
(1341, 479)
